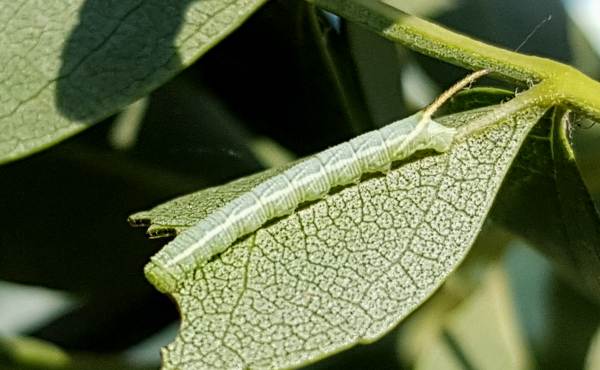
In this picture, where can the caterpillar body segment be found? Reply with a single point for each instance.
(308, 180)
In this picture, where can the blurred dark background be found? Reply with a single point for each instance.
(293, 77)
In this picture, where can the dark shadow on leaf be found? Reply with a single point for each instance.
(118, 52)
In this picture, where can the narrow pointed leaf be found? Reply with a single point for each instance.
(545, 200)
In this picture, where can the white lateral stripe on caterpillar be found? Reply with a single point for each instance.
(308, 180)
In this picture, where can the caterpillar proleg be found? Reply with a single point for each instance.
(308, 180)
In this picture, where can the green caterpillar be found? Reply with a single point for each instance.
(308, 180)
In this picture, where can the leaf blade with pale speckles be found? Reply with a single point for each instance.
(345, 269)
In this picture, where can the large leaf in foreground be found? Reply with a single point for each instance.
(68, 64)
(342, 270)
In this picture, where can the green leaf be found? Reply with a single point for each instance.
(545, 200)
(342, 270)
(27, 353)
(67, 65)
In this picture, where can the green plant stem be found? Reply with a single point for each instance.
(522, 101)
(555, 83)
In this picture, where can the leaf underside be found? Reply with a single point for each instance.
(342, 270)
